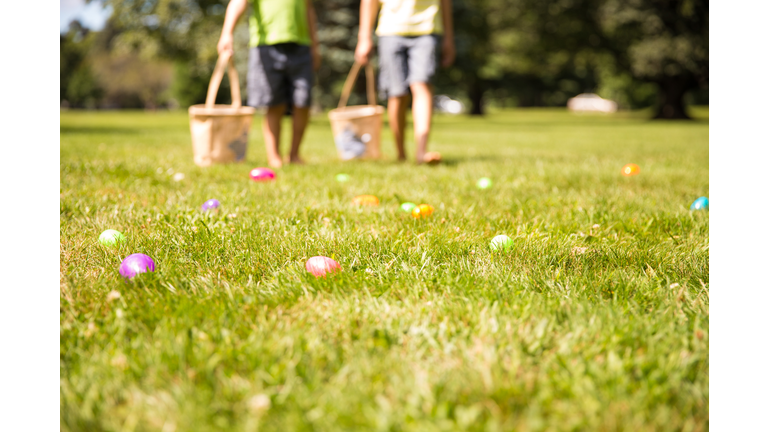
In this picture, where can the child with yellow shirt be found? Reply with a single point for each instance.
(409, 32)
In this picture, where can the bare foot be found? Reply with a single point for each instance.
(430, 158)
(433, 158)
(274, 161)
(295, 160)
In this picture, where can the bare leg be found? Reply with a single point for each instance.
(396, 112)
(422, 121)
(271, 131)
(300, 120)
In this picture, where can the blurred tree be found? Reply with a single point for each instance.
(186, 31)
(130, 81)
(182, 31)
(518, 52)
(665, 42)
(472, 37)
(337, 22)
(615, 45)
(78, 88)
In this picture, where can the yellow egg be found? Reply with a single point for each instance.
(366, 200)
(630, 170)
(422, 211)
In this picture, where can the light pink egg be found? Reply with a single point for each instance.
(320, 266)
(262, 174)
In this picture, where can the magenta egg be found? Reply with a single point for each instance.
(135, 264)
(320, 266)
(262, 174)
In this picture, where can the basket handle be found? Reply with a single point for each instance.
(225, 61)
(369, 84)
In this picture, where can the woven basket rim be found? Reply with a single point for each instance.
(221, 110)
(350, 112)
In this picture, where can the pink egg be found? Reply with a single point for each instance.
(262, 174)
(320, 266)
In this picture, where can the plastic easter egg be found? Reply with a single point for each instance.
(262, 174)
(341, 178)
(701, 203)
(484, 183)
(501, 243)
(211, 204)
(135, 264)
(366, 200)
(630, 170)
(320, 266)
(422, 211)
(407, 207)
(111, 237)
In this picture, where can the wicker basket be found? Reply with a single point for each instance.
(357, 129)
(220, 132)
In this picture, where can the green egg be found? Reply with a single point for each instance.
(501, 243)
(484, 183)
(111, 237)
(407, 206)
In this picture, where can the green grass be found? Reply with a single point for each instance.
(425, 329)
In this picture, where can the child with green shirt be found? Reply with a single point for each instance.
(410, 32)
(283, 55)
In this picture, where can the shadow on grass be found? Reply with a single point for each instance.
(100, 130)
(455, 161)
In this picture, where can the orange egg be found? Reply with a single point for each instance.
(630, 170)
(366, 200)
(422, 211)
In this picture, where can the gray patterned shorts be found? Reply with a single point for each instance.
(280, 74)
(404, 60)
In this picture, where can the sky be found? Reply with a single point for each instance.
(91, 15)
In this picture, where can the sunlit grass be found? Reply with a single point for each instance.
(597, 320)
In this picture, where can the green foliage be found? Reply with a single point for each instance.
(184, 31)
(78, 85)
(337, 22)
(664, 42)
(130, 81)
(597, 319)
(658, 39)
(640, 53)
(543, 52)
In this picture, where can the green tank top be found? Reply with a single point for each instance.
(279, 21)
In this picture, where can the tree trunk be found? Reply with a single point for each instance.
(671, 91)
(476, 97)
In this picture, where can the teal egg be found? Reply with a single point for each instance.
(701, 203)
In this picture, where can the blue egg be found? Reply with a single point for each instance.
(701, 203)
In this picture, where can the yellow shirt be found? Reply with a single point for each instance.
(409, 18)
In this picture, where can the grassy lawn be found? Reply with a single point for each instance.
(597, 320)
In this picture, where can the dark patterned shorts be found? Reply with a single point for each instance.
(280, 74)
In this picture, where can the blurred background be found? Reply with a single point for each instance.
(616, 54)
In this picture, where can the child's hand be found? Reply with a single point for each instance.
(363, 51)
(225, 44)
(448, 53)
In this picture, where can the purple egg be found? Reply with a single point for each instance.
(135, 264)
(211, 204)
